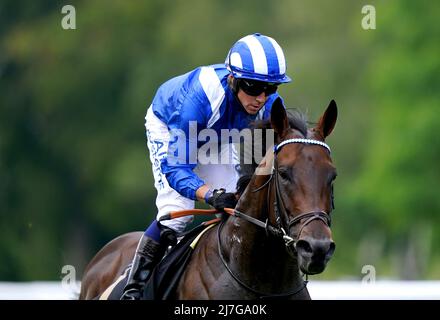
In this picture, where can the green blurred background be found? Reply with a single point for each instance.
(74, 167)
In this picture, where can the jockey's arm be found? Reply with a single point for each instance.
(201, 193)
(179, 174)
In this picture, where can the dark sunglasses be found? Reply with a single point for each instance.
(255, 88)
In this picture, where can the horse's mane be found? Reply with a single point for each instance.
(297, 120)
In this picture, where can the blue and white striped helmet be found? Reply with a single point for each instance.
(257, 57)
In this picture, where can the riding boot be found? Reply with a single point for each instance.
(148, 253)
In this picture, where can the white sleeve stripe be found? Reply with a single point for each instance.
(280, 56)
(214, 92)
(258, 54)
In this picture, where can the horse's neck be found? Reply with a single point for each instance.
(250, 251)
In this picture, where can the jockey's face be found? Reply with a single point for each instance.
(252, 104)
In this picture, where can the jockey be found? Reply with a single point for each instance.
(216, 97)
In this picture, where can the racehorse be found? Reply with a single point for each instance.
(278, 231)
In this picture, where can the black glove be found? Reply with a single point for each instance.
(221, 199)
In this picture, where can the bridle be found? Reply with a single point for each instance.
(278, 205)
(280, 230)
(280, 208)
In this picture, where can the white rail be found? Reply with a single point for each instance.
(319, 290)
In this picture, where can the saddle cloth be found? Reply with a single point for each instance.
(167, 273)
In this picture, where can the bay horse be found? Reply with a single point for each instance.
(278, 231)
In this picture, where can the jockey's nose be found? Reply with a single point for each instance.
(316, 249)
(261, 97)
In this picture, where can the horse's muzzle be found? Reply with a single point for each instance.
(313, 254)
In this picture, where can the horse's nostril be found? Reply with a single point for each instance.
(331, 249)
(304, 246)
(316, 248)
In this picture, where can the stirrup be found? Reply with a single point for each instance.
(131, 294)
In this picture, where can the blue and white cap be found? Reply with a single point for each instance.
(257, 57)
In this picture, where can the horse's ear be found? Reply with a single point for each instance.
(327, 122)
(278, 118)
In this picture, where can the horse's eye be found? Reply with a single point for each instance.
(284, 174)
(332, 179)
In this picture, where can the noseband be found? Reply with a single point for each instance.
(279, 230)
